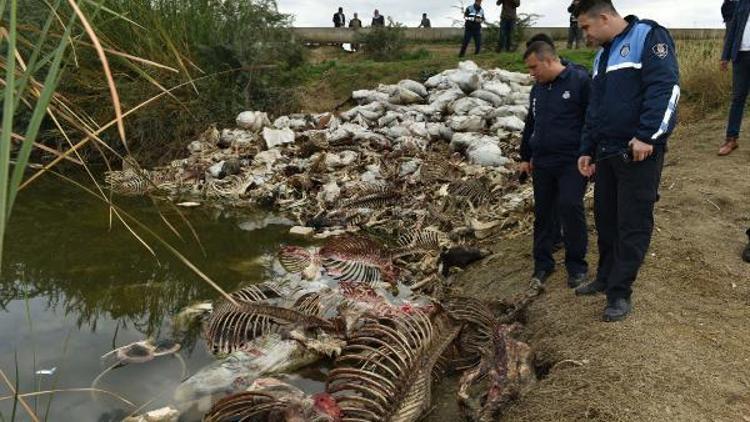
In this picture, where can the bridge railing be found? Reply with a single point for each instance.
(416, 35)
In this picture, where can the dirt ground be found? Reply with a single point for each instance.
(684, 354)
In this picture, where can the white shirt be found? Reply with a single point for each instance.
(745, 46)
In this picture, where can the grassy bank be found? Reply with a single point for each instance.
(333, 73)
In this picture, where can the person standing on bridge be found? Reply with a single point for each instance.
(474, 17)
(425, 22)
(549, 151)
(339, 20)
(508, 16)
(574, 32)
(378, 19)
(355, 24)
(632, 111)
(737, 50)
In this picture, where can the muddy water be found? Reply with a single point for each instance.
(71, 288)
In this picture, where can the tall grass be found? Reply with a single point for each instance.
(705, 88)
(244, 45)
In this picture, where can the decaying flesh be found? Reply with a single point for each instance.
(504, 371)
(270, 400)
(385, 371)
(266, 355)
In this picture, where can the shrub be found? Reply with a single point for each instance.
(240, 52)
(385, 43)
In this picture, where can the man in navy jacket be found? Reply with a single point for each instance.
(737, 50)
(549, 151)
(632, 111)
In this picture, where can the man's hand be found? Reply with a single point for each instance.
(526, 167)
(641, 150)
(585, 166)
(724, 65)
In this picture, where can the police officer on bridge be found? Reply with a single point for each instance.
(474, 17)
(632, 112)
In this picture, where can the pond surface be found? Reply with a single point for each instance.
(72, 288)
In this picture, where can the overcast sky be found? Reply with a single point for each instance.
(670, 13)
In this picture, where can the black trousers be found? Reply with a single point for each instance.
(624, 198)
(558, 199)
(469, 34)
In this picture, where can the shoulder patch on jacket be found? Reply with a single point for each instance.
(660, 50)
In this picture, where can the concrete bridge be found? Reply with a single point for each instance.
(416, 35)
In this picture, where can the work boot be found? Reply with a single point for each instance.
(575, 280)
(746, 252)
(617, 309)
(728, 146)
(596, 286)
(537, 281)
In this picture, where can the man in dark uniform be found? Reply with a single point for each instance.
(339, 20)
(549, 150)
(632, 111)
(474, 17)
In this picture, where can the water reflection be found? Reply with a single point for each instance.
(94, 287)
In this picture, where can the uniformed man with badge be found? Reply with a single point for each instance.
(473, 17)
(549, 151)
(632, 111)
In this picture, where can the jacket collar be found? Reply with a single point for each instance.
(632, 21)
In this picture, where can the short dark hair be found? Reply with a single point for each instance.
(540, 49)
(593, 7)
(540, 37)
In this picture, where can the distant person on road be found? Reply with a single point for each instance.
(574, 32)
(508, 16)
(632, 112)
(378, 19)
(727, 11)
(425, 22)
(339, 20)
(746, 252)
(737, 50)
(474, 17)
(549, 151)
(355, 24)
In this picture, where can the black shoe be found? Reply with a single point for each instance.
(576, 280)
(592, 288)
(746, 252)
(617, 310)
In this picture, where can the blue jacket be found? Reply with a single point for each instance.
(735, 31)
(727, 10)
(634, 91)
(552, 135)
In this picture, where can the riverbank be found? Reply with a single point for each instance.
(684, 354)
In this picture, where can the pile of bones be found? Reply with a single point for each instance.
(400, 189)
